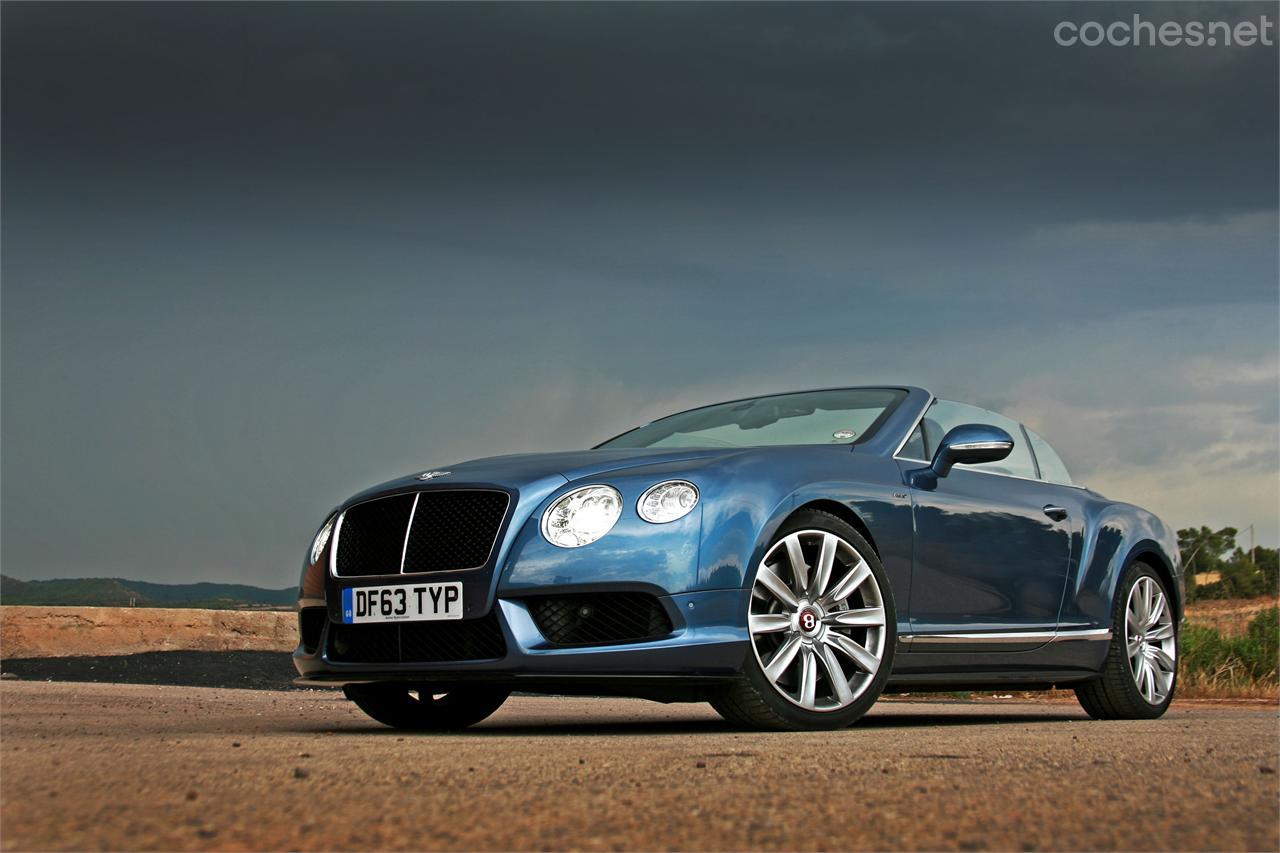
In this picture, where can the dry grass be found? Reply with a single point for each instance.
(1230, 617)
(1200, 685)
(1229, 650)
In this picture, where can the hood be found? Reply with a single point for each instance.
(576, 464)
(522, 470)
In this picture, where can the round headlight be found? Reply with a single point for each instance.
(668, 501)
(582, 516)
(321, 540)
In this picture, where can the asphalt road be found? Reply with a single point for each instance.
(102, 766)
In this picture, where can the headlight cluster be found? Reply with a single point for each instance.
(583, 515)
(322, 539)
(668, 501)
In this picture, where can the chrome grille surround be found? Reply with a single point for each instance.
(471, 547)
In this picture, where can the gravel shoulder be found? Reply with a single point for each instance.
(118, 766)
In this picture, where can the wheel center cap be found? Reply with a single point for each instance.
(809, 620)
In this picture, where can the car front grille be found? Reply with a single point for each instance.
(418, 642)
(595, 618)
(434, 531)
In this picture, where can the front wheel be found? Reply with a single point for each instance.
(1141, 670)
(403, 706)
(821, 619)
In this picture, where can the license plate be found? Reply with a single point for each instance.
(402, 603)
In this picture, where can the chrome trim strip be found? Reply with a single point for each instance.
(981, 445)
(404, 549)
(1099, 634)
(995, 637)
(333, 545)
(1008, 637)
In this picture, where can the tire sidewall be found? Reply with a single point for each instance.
(391, 705)
(799, 717)
(1119, 646)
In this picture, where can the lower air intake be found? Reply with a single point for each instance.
(592, 619)
(310, 626)
(418, 642)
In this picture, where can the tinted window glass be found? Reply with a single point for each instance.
(944, 415)
(914, 448)
(844, 416)
(1051, 467)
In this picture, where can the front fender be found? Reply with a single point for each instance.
(738, 529)
(1116, 534)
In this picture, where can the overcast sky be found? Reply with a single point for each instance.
(258, 257)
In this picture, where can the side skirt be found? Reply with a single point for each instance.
(1063, 657)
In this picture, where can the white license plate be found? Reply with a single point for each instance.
(416, 602)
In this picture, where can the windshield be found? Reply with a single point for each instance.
(843, 416)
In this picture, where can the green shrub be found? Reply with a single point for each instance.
(1210, 657)
(1262, 643)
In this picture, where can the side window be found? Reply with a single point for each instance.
(945, 415)
(1051, 467)
(914, 448)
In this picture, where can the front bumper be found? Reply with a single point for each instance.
(708, 642)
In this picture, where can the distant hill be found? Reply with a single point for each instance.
(117, 592)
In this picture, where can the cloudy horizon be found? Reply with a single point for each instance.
(257, 257)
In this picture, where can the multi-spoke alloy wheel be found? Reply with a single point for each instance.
(1149, 640)
(820, 621)
(1140, 672)
(817, 620)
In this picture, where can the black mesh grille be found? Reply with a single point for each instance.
(372, 536)
(593, 618)
(418, 642)
(365, 643)
(453, 530)
(473, 639)
(310, 625)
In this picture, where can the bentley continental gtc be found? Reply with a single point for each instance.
(786, 558)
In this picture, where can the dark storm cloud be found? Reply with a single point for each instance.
(814, 100)
(257, 256)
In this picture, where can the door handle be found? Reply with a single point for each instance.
(1057, 513)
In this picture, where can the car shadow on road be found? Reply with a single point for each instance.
(641, 728)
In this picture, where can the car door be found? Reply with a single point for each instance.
(992, 545)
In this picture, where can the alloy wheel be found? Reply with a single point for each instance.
(1150, 640)
(817, 620)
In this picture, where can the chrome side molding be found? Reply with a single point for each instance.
(1008, 637)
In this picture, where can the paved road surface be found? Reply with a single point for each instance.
(99, 766)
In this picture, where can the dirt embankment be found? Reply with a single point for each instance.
(39, 632)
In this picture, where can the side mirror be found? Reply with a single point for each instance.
(969, 444)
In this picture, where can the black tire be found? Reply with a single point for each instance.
(752, 702)
(402, 706)
(1115, 695)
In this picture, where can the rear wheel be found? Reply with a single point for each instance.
(404, 706)
(821, 620)
(1141, 671)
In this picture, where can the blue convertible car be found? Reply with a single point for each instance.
(786, 558)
